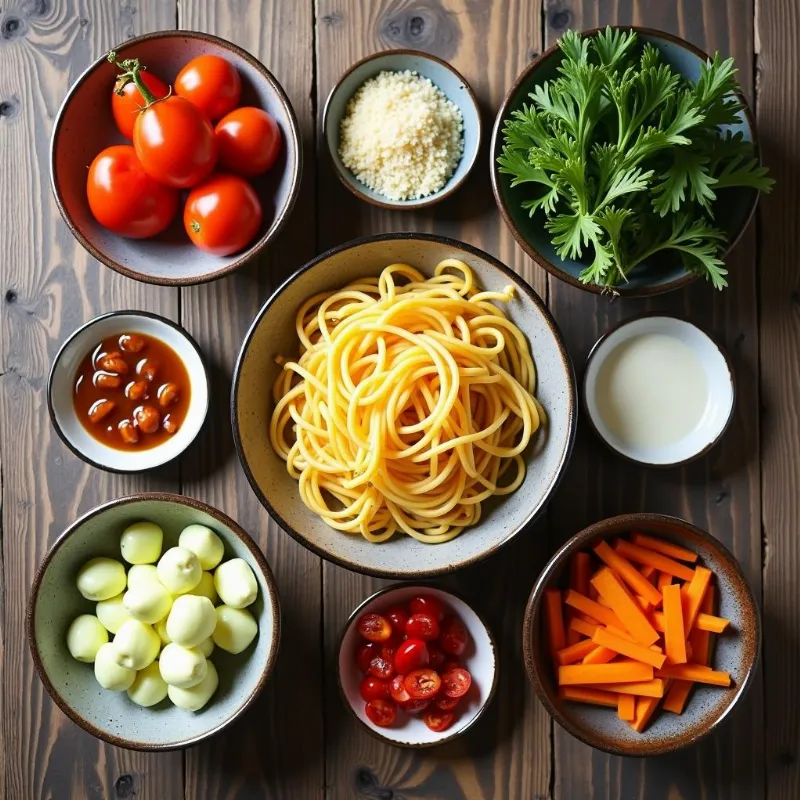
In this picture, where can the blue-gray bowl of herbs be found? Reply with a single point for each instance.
(625, 161)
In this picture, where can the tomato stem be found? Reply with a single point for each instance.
(131, 69)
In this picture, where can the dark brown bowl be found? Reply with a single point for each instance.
(84, 126)
(736, 650)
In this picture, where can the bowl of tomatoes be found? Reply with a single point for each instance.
(175, 158)
(417, 665)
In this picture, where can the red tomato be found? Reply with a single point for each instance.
(222, 216)
(381, 667)
(438, 720)
(373, 688)
(412, 654)
(374, 627)
(415, 706)
(427, 604)
(249, 141)
(365, 654)
(436, 657)
(124, 198)
(127, 101)
(422, 626)
(381, 712)
(212, 84)
(456, 682)
(453, 638)
(397, 689)
(422, 684)
(398, 616)
(446, 703)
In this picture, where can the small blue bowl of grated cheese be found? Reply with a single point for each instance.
(403, 129)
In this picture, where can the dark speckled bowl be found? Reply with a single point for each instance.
(736, 650)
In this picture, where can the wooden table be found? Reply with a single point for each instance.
(298, 741)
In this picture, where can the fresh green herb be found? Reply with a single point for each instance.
(625, 157)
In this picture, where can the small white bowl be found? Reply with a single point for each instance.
(61, 384)
(721, 390)
(480, 659)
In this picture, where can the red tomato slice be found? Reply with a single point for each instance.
(415, 706)
(365, 653)
(446, 703)
(374, 628)
(438, 720)
(427, 604)
(453, 638)
(412, 654)
(398, 616)
(422, 626)
(373, 688)
(422, 684)
(456, 682)
(381, 668)
(382, 713)
(397, 689)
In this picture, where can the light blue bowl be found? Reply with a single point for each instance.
(734, 207)
(440, 74)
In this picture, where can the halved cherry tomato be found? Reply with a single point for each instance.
(381, 667)
(422, 684)
(212, 84)
(446, 703)
(374, 627)
(427, 604)
(415, 706)
(436, 657)
(124, 198)
(126, 105)
(456, 682)
(398, 616)
(397, 689)
(249, 141)
(222, 215)
(373, 688)
(388, 649)
(365, 653)
(381, 712)
(438, 720)
(453, 638)
(422, 626)
(412, 654)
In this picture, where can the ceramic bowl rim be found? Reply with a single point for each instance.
(422, 202)
(602, 529)
(222, 518)
(55, 366)
(414, 585)
(528, 248)
(571, 402)
(293, 144)
(728, 365)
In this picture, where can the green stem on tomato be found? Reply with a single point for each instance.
(131, 72)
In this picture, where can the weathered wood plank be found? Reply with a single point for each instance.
(49, 287)
(508, 753)
(720, 492)
(276, 751)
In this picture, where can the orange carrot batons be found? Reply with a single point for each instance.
(664, 547)
(628, 573)
(615, 672)
(642, 555)
(674, 635)
(555, 620)
(625, 607)
(582, 694)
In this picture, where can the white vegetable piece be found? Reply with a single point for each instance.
(85, 636)
(148, 687)
(149, 603)
(206, 588)
(109, 674)
(183, 667)
(235, 583)
(191, 620)
(179, 570)
(141, 543)
(112, 613)
(206, 647)
(141, 575)
(197, 696)
(204, 543)
(136, 645)
(101, 578)
(236, 628)
(161, 629)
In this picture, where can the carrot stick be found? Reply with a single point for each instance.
(580, 567)
(593, 609)
(663, 579)
(644, 604)
(582, 694)
(645, 708)
(600, 655)
(642, 555)
(626, 707)
(582, 627)
(625, 607)
(593, 595)
(653, 688)
(574, 652)
(616, 672)
(555, 620)
(631, 649)
(648, 572)
(694, 672)
(664, 547)
(628, 573)
(704, 622)
(678, 694)
(693, 594)
(674, 635)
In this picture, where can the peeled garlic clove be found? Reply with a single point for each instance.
(161, 629)
(235, 583)
(148, 688)
(183, 667)
(141, 575)
(206, 647)
(179, 570)
(191, 620)
(236, 628)
(141, 543)
(85, 636)
(204, 543)
(197, 696)
(136, 645)
(206, 588)
(149, 603)
(109, 674)
(112, 614)
(101, 578)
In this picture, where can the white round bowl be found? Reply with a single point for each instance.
(480, 659)
(61, 384)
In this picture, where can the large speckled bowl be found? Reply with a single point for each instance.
(273, 334)
(55, 602)
(84, 126)
(736, 651)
